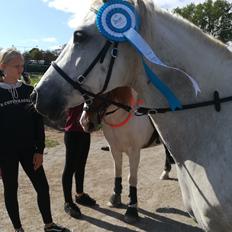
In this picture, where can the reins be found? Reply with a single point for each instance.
(140, 111)
(123, 122)
(216, 102)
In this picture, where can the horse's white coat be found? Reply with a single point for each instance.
(199, 139)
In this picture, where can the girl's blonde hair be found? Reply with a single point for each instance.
(7, 54)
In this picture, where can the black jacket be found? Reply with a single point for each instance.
(21, 127)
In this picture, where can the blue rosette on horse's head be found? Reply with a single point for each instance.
(118, 21)
(115, 18)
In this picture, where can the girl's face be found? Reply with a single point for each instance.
(13, 69)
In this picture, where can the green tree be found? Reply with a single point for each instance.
(36, 54)
(214, 17)
(27, 56)
(49, 56)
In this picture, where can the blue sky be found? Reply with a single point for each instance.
(47, 24)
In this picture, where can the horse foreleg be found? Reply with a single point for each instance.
(131, 215)
(115, 199)
(167, 167)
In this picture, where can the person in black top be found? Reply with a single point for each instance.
(26, 77)
(22, 140)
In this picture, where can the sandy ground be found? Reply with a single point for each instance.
(160, 205)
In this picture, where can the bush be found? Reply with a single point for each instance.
(36, 68)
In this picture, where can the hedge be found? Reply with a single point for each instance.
(36, 68)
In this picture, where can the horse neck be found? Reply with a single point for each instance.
(181, 44)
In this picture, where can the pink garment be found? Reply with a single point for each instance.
(72, 121)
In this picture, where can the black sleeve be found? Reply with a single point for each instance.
(39, 133)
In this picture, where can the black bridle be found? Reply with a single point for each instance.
(81, 79)
(88, 96)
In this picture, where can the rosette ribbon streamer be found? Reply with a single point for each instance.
(118, 21)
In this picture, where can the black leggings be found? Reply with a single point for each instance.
(10, 167)
(77, 148)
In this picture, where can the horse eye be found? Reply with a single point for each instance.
(78, 37)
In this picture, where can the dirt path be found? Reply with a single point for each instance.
(160, 204)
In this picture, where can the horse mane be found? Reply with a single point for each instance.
(148, 11)
(179, 43)
(151, 11)
(121, 95)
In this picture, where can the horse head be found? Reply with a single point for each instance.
(92, 115)
(86, 61)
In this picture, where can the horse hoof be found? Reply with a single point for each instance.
(115, 201)
(164, 175)
(131, 216)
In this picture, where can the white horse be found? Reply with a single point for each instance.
(121, 129)
(199, 139)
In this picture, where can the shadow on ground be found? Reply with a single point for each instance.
(149, 221)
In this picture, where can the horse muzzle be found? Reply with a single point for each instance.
(51, 109)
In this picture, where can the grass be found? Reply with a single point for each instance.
(51, 143)
(35, 77)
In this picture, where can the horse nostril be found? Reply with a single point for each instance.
(34, 96)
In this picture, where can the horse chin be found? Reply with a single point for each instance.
(57, 125)
(52, 115)
(89, 128)
(56, 117)
(54, 111)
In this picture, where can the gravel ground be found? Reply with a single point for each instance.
(160, 205)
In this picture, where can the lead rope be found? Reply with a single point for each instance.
(216, 102)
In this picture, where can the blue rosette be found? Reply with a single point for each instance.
(115, 18)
